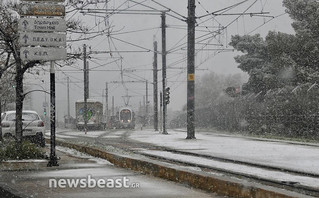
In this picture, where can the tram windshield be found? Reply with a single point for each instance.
(125, 115)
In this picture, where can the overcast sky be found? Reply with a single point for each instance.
(137, 32)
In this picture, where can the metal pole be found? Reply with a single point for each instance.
(53, 158)
(0, 118)
(155, 97)
(161, 111)
(164, 68)
(85, 88)
(144, 111)
(87, 79)
(106, 102)
(191, 70)
(112, 105)
(68, 95)
(146, 104)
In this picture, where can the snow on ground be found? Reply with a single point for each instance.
(242, 169)
(279, 154)
(276, 153)
(26, 160)
(78, 154)
(92, 134)
(75, 134)
(57, 135)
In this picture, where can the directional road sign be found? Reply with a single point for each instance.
(42, 53)
(42, 39)
(42, 24)
(42, 10)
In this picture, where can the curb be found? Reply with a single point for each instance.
(211, 183)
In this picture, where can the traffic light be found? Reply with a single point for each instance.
(166, 96)
(44, 111)
(233, 91)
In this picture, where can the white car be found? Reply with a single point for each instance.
(33, 127)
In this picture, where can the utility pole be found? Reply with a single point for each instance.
(0, 116)
(88, 79)
(146, 104)
(164, 68)
(191, 20)
(68, 95)
(161, 111)
(85, 88)
(155, 97)
(144, 111)
(53, 158)
(106, 102)
(113, 106)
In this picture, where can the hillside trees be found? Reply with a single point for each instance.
(281, 94)
(282, 59)
(283, 73)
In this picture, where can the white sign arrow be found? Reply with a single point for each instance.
(25, 54)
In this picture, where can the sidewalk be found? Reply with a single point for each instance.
(32, 178)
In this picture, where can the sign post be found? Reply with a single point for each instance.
(44, 39)
(53, 158)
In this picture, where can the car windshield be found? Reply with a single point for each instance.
(26, 116)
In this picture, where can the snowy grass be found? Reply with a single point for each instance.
(11, 150)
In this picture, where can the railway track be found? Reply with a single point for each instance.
(215, 164)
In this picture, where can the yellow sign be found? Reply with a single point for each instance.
(191, 77)
(42, 10)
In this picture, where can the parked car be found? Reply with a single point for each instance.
(33, 127)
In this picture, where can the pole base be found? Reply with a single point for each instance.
(53, 162)
(190, 138)
(165, 133)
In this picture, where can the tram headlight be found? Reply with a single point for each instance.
(128, 121)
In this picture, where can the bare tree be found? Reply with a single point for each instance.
(10, 48)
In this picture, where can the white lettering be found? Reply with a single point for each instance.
(110, 183)
(83, 183)
(62, 183)
(125, 182)
(90, 182)
(118, 183)
(53, 183)
(101, 183)
(73, 183)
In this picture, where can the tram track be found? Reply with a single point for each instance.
(286, 184)
(123, 142)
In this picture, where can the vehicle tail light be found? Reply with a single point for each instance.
(41, 124)
(4, 124)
